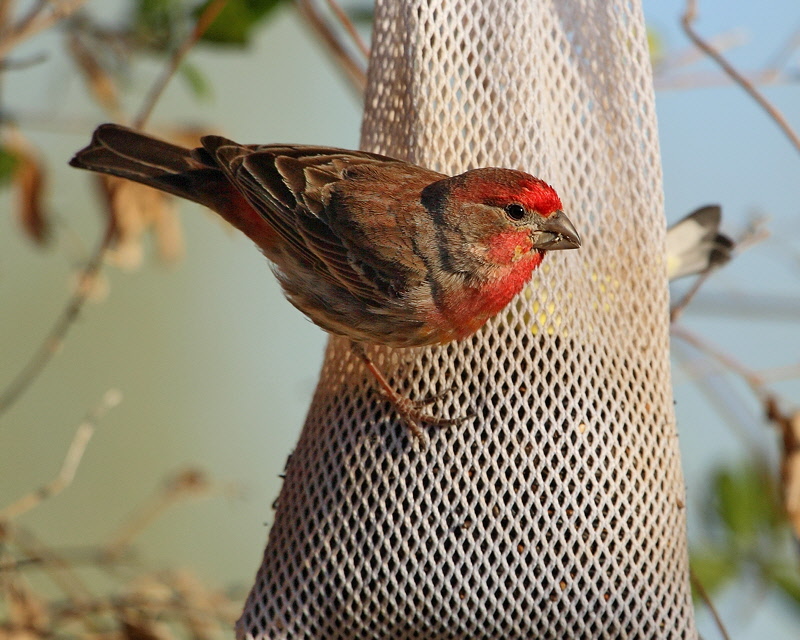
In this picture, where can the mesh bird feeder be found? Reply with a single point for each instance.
(555, 511)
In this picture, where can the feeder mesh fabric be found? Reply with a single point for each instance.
(554, 510)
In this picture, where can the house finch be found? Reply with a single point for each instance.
(368, 247)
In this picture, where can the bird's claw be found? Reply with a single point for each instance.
(411, 412)
(415, 417)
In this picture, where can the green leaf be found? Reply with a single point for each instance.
(159, 24)
(714, 567)
(236, 21)
(196, 80)
(8, 165)
(746, 502)
(789, 584)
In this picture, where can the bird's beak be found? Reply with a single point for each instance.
(556, 232)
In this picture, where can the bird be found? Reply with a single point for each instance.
(375, 249)
(695, 244)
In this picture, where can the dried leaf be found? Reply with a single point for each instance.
(189, 480)
(136, 626)
(100, 83)
(25, 609)
(789, 425)
(136, 209)
(29, 179)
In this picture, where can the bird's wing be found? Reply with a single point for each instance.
(694, 243)
(307, 194)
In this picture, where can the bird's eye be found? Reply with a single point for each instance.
(515, 211)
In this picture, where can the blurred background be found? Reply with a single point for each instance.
(216, 370)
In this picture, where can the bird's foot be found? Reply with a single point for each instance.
(412, 412)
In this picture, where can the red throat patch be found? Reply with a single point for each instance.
(465, 311)
(509, 246)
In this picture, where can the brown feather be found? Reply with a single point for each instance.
(366, 246)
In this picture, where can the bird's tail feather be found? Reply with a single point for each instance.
(118, 151)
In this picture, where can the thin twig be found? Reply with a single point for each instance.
(681, 305)
(349, 27)
(71, 461)
(6, 9)
(89, 555)
(59, 570)
(755, 383)
(784, 52)
(38, 19)
(23, 63)
(205, 19)
(55, 338)
(188, 483)
(46, 121)
(62, 480)
(701, 590)
(720, 392)
(689, 56)
(775, 308)
(352, 69)
(755, 233)
(688, 17)
(778, 374)
(707, 79)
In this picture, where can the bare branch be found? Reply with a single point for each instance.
(701, 590)
(691, 54)
(185, 484)
(205, 19)
(24, 63)
(755, 233)
(58, 570)
(772, 73)
(705, 80)
(352, 69)
(784, 52)
(55, 338)
(688, 18)
(41, 17)
(73, 458)
(752, 379)
(778, 374)
(727, 401)
(681, 305)
(6, 8)
(348, 25)
(766, 306)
